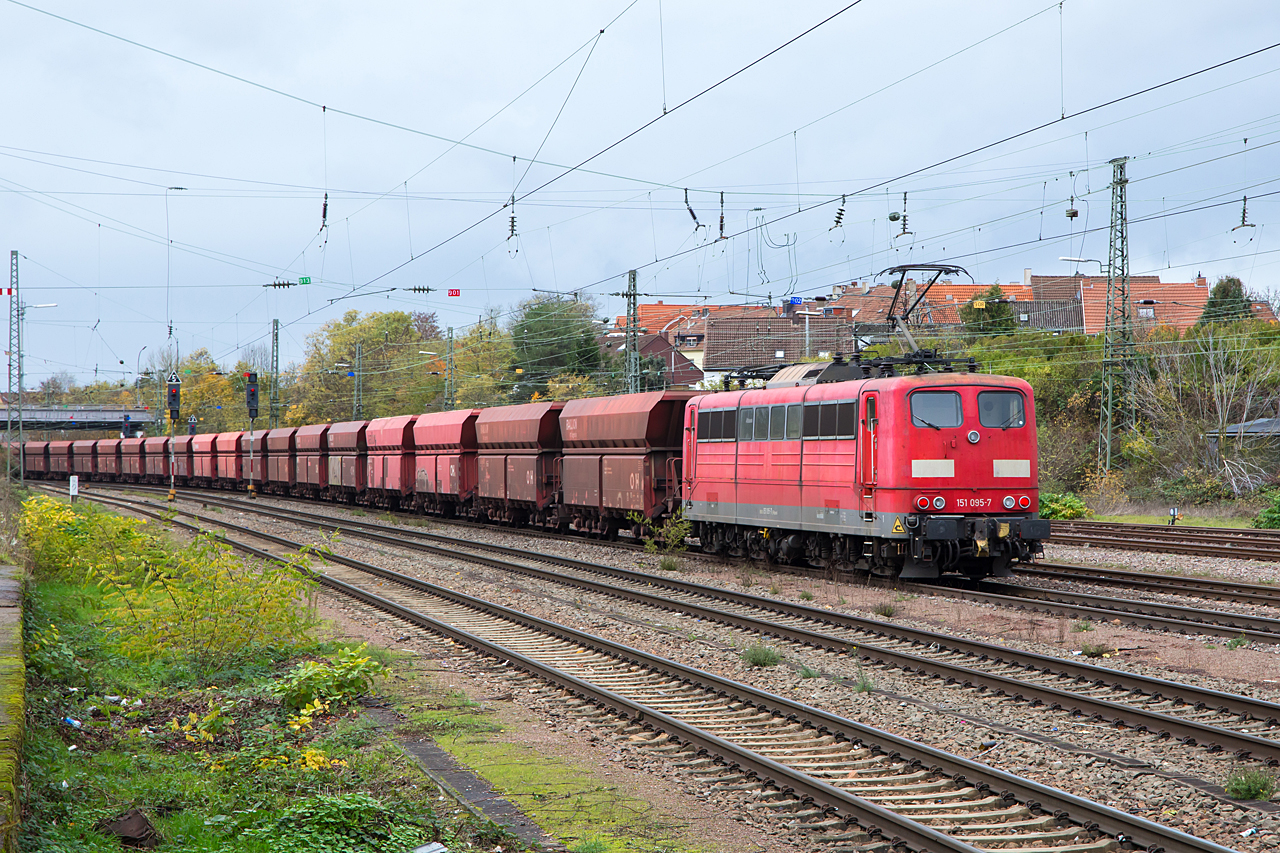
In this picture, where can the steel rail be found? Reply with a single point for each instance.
(1134, 618)
(1191, 733)
(1127, 829)
(1259, 625)
(1202, 587)
(1201, 541)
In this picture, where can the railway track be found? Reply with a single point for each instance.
(1189, 585)
(1199, 541)
(848, 783)
(1237, 724)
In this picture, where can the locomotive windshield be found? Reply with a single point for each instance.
(1001, 409)
(936, 409)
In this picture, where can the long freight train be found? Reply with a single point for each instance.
(897, 467)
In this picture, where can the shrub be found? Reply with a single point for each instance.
(1269, 518)
(343, 822)
(1062, 507)
(669, 537)
(348, 674)
(204, 601)
(67, 542)
(759, 655)
(1250, 785)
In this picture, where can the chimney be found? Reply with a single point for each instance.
(659, 301)
(1200, 281)
(1026, 276)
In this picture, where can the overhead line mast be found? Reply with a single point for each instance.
(1117, 339)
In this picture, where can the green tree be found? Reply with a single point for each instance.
(550, 336)
(396, 376)
(985, 316)
(1227, 302)
(482, 358)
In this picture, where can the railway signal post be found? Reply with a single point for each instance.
(175, 411)
(251, 402)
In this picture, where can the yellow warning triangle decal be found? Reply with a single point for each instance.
(897, 525)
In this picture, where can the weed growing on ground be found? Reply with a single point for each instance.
(884, 609)
(1082, 626)
(1094, 650)
(863, 683)
(1250, 784)
(809, 672)
(669, 537)
(344, 678)
(591, 845)
(1237, 642)
(668, 563)
(805, 595)
(774, 589)
(759, 655)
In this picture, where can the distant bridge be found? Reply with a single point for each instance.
(39, 418)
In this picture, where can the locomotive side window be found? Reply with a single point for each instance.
(715, 426)
(811, 421)
(827, 422)
(847, 420)
(936, 409)
(778, 423)
(762, 423)
(746, 424)
(793, 421)
(704, 426)
(1001, 409)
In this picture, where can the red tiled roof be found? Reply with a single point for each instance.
(1177, 304)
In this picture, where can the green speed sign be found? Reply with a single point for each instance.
(304, 279)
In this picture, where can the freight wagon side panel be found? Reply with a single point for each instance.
(581, 481)
(523, 478)
(182, 466)
(424, 474)
(493, 477)
(109, 457)
(84, 460)
(627, 483)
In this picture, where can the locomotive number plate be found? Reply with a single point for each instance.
(973, 503)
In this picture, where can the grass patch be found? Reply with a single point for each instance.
(1082, 626)
(1095, 650)
(201, 744)
(805, 595)
(760, 655)
(1237, 642)
(1250, 784)
(809, 672)
(668, 563)
(884, 609)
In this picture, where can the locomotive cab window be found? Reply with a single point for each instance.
(704, 426)
(762, 423)
(936, 409)
(778, 423)
(1001, 409)
(793, 420)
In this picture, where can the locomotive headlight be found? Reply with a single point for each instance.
(939, 502)
(1024, 502)
(922, 502)
(1009, 502)
(973, 436)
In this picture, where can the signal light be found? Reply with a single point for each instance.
(1010, 501)
(922, 502)
(939, 502)
(1024, 502)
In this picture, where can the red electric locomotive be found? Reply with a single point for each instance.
(912, 475)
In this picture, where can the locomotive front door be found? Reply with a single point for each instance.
(868, 443)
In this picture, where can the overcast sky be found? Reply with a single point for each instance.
(97, 129)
